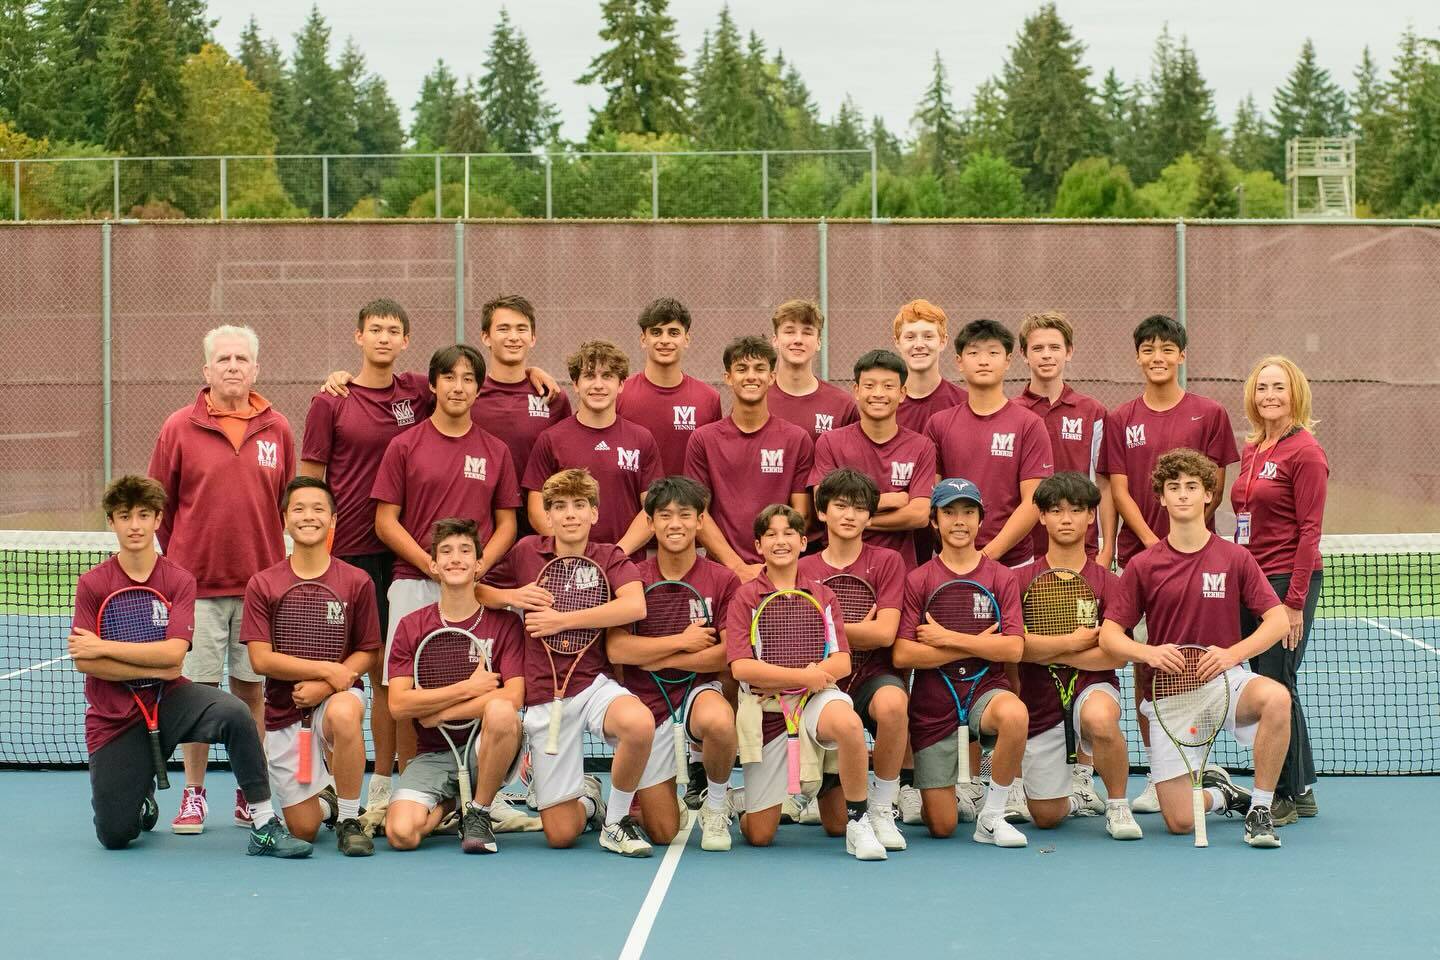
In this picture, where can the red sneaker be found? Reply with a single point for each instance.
(242, 811)
(193, 808)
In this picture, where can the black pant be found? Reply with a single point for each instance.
(380, 568)
(1283, 666)
(121, 773)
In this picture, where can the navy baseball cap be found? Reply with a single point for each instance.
(952, 489)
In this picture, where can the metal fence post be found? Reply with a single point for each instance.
(764, 184)
(224, 187)
(106, 388)
(1180, 284)
(654, 186)
(437, 187)
(459, 281)
(115, 190)
(823, 231)
(15, 196)
(874, 183)
(549, 192)
(466, 202)
(325, 187)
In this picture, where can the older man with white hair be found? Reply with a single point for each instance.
(224, 462)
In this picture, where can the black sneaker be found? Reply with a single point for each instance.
(1283, 813)
(1259, 829)
(695, 790)
(351, 839)
(149, 812)
(1237, 799)
(477, 835)
(328, 796)
(1306, 805)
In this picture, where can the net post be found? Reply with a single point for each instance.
(823, 237)
(106, 387)
(459, 281)
(1180, 284)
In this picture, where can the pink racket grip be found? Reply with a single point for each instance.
(792, 762)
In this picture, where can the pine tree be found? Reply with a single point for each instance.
(373, 118)
(316, 100)
(1310, 104)
(1375, 133)
(75, 101)
(261, 58)
(435, 108)
(722, 112)
(141, 73)
(1251, 144)
(467, 123)
(888, 153)
(984, 128)
(1413, 100)
(938, 140)
(1049, 104)
(847, 130)
(1123, 118)
(20, 66)
(1181, 110)
(1215, 195)
(800, 117)
(642, 70)
(192, 27)
(518, 118)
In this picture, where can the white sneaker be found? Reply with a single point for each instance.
(909, 804)
(714, 829)
(1017, 810)
(968, 798)
(1120, 824)
(735, 802)
(990, 828)
(882, 821)
(1147, 802)
(505, 818)
(626, 838)
(377, 793)
(591, 788)
(861, 842)
(1082, 787)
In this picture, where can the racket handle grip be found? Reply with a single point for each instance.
(962, 745)
(466, 792)
(552, 736)
(1202, 837)
(792, 765)
(682, 768)
(304, 769)
(157, 759)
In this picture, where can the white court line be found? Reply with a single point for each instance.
(33, 666)
(1401, 636)
(640, 931)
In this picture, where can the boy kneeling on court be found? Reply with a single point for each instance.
(491, 695)
(591, 702)
(313, 603)
(828, 716)
(122, 773)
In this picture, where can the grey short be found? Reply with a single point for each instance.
(863, 694)
(938, 765)
(216, 650)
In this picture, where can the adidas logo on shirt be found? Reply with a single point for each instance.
(602, 445)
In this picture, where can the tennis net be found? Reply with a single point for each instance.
(1370, 682)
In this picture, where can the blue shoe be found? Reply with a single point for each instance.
(273, 840)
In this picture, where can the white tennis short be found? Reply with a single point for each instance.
(661, 765)
(1046, 774)
(282, 756)
(561, 777)
(1166, 763)
(405, 597)
(767, 782)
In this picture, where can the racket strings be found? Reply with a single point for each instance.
(853, 595)
(576, 584)
(309, 622)
(669, 609)
(1191, 710)
(790, 632)
(1055, 606)
(447, 658)
(961, 608)
(134, 616)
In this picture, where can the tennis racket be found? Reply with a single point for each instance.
(140, 615)
(1191, 713)
(963, 606)
(576, 583)
(1059, 602)
(670, 607)
(856, 599)
(448, 656)
(309, 622)
(790, 629)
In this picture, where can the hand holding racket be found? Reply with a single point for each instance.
(447, 657)
(857, 605)
(141, 615)
(790, 630)
(673, 608)
(964, 607)
(1058, 603)
(575, 583)
(1192, 712)
(309, 622)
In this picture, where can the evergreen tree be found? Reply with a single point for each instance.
(888, 152)
(1049, 104)
(261, 58)
(317, 100)
(20, 66)
(518, 118)
(984, 128)
(722, 112)
(467, 123)
(1310, 104)
(1181, 110)
(1374, 131)
(141, 74)
(1251, 145)
(435, 108)
(75, 101)
(764, 99)
(1123, 118)
(988, 187)
(191, 26)
(378, 129)
(641, 70)
(799, 114)
(938, 140)
(847, 130)
(1414, 104)
(1215, 195)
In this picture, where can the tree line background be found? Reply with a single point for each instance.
(1044, 136)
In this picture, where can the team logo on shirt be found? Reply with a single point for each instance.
(1268, 471)
(586, 578)
(539, 407)
(1212, 585)
(335, 612)
(824, 422)
(1072, 429)
(980, 607)
(700, 608)
(684, 418)
(627, 459)
(480, 650)
(404, 413)
(474, 468)
(900, 473)
(159, 614)
(772, 461)
(268, 453)
(1135, 435)
(1002, 445)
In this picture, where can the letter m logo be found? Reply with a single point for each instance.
(1135, 435)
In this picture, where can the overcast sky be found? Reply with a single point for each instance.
(881, 57)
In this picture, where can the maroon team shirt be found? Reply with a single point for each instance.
(349, 436)
(825, 408)
(746, 472)
(1136, 437)
(362, 623)
(1190, 597)
(521, 565)
(499, 629)
(883, 569)
(1037, 688)
(743, 607)
(914, 413)
(432, 476)
(671, 414)
(517, 414)
(1076, 426)
(932, 709)
(1283, 490)
(903, 464)
(622, 457)
(717, 586)
(110, 710)
(996, 452)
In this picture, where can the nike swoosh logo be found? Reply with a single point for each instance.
(1201, 417)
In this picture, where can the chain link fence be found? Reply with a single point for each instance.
(105, 320)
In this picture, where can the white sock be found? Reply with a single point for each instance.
(326, 811)
(1262, 798)
(715, 794)
(262, 813)
(482, 807)
(1217, 800)
(1085, 770)
(1117, 804)
(995, 798)
(885, 792)
(618, 805)
(588, 804)
(1074, 804)
(349, 809)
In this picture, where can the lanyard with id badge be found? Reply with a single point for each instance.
(1242, 517)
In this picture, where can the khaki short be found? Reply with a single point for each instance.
(938, 765)
(217, 640)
